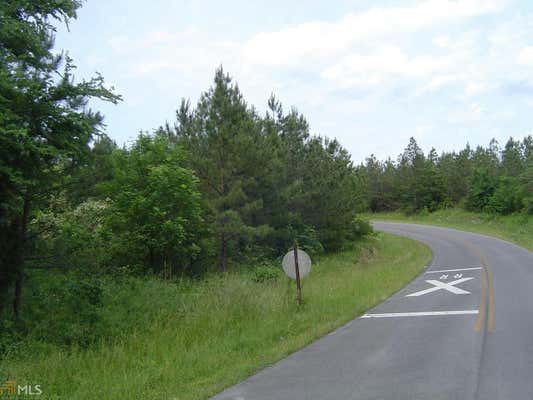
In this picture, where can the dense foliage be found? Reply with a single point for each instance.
(222, 185)
(487, 179)
(45, 125)
(266, 181)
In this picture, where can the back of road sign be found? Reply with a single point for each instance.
(304, 264)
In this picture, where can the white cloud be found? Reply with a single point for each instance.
(189, 53)
(438, 82)
(361, 50)
(317, 39)
(375, 68)
(476, 88)
(423, 129)
(525, 56)
(442, 41)
(472, 112)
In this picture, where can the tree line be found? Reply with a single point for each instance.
(485, 179)
(221, 185)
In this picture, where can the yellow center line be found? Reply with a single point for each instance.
(490, 321)
(486, 296)
(482, 301)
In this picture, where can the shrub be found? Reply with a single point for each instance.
(360, 227)
(482, 185)
(507, 198)
(527, 182)
(71, 237)
(62, 309)
(156, 212)
(265, 273)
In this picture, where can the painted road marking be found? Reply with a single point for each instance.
(486, 296)
(420, 314)
(453, 270)
(482, 302)
(438, 285)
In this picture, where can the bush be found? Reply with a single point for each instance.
(62, 309)
(156, 209)
(359, 228)
(424, 212)
(71, 237)
(482, 185)
(265, 273)
(527, 181)
(507, 198)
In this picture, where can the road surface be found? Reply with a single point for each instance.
(463, 329)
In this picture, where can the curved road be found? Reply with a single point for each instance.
(463, 329)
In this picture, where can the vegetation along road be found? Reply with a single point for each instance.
(460, 330)
(147, 265)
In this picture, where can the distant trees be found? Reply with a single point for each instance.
(487, 179)
(420, 183)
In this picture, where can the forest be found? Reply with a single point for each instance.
(487, 179)
(220, 187)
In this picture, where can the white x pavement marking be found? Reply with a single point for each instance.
(438, 285)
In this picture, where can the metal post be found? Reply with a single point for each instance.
(297, 268)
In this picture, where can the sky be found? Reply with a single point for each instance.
(369, 73)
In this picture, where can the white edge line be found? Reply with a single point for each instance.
(452, 270)
(420, 314)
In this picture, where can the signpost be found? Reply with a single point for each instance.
(297, 264)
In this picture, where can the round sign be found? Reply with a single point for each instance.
(304, 264)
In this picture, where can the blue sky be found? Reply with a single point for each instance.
(370, 73)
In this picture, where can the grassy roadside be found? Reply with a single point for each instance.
(514, 228)
(212, 334)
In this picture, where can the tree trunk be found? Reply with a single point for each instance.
(19, 263)
(222, 258)
(18, 293)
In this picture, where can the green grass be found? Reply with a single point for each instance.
(195, 339)
(516, 228)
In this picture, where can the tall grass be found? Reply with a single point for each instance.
(193, 339)
(516, 228)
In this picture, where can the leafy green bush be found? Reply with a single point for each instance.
(71, 237)
(265, 273)
(307, 237)
(62, 309)
(424, 212)
(527, 181)
(482, 185)
(360, 227)
(507, 198)
(156, 213)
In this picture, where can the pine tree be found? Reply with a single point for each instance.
(224, 139)
(513, 160)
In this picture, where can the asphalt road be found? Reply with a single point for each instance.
(463, 333)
